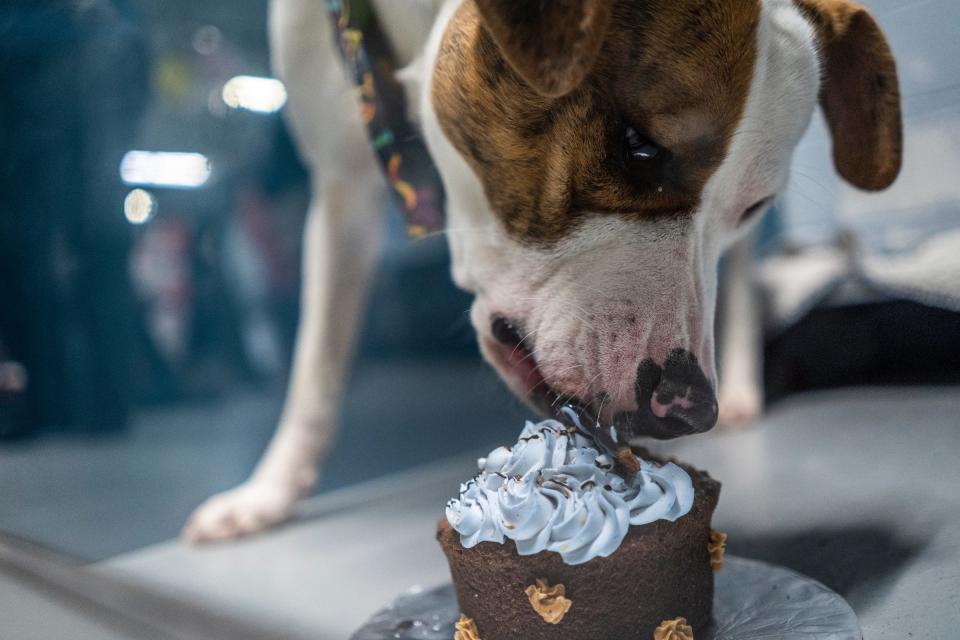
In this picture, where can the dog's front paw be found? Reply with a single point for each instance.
(251, 507)
(739, 408)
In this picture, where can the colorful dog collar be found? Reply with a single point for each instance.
(399, 147)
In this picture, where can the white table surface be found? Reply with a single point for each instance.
(859, 488)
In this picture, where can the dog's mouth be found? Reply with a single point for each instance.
(511, 352)
(672, 400)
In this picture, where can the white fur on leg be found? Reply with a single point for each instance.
(250, 507)
(341, 244)
(741, 391)
(740, 405)
(340, 249)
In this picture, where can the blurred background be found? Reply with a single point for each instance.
(151, 208)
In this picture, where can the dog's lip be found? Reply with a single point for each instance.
(517, 362)
(521, 372)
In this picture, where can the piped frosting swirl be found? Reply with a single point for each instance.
(553, 491)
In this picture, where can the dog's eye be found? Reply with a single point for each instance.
(639, 147)
(755, 208)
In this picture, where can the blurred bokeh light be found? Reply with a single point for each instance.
(262, 95)
(139, 206)
(175, 169)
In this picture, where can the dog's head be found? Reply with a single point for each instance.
(599, 156)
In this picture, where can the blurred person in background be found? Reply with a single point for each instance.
(75, 82)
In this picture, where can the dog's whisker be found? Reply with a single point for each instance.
(522, 341)
(530, 356)
(559, 372)
(590, 383)
(575, 306)
(812, 179)
(814, 201)
(453, 231)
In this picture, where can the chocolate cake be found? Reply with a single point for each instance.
(538, 549)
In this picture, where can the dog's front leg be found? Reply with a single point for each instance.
(741, 341)
(341, 243)
(340, 247)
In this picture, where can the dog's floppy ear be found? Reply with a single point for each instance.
(551, 44)
(860, 95)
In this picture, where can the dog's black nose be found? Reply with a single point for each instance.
(674, 400)
(505, 331)
(693, 406)
(684, 395)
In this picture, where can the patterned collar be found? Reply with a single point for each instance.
(400, 149)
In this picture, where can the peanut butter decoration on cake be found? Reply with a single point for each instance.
(716, 546)
(628, 460)
(548, 601)
(466, 629)
(676, 629)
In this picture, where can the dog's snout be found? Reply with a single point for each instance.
(674, 397)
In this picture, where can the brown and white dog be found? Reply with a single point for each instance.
(599, 156)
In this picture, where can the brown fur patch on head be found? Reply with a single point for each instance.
(860, 95)
(552, 45)
(678, 71)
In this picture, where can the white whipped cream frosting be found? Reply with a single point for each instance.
(554, 491)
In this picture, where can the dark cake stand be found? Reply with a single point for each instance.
(753, 600)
